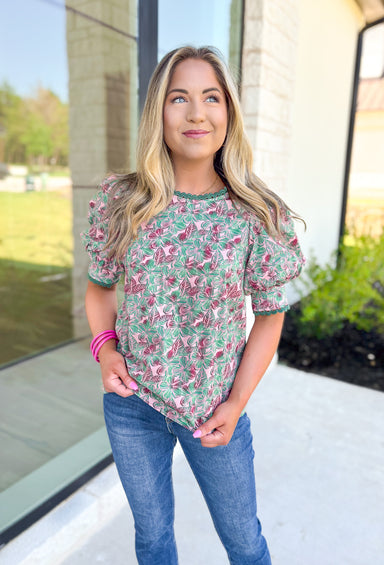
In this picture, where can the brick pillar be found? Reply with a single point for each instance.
(268, 77)
(103, 114)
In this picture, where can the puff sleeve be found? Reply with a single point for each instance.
(271, 263)
(102, 270)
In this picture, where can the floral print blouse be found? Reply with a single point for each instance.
(182, 322)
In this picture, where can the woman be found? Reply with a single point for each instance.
(193, 230)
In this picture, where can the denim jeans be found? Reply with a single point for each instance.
(143, 441)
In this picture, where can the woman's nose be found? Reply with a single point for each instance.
(195, 112)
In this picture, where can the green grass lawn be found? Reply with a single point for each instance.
(36, 227)
(35, 272)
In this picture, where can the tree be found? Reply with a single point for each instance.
(12, 115)
(36, 128)
(37, 138)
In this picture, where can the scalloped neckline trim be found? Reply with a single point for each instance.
(208, 196)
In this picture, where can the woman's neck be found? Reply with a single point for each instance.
(197, 179)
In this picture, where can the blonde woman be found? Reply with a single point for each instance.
(192, 231)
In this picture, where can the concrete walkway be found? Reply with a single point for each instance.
(320, 481)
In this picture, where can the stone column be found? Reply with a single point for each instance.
(103, 116)
(268, 77)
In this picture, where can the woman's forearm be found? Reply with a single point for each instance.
(258, 353)
(101, 307)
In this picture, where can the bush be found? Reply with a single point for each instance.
(350, 289)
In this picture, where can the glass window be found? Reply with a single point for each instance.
(217, 23)
(68, 116)
(365, 202)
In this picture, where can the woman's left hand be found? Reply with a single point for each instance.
(219, 429)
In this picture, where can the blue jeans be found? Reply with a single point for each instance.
(142, 443)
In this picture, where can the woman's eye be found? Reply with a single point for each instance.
(178, 99)
(212, 98)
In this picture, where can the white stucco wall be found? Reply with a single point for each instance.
(325, 59)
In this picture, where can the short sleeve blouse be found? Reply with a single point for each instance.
(102, 270)
(271, 264)
(182, 321)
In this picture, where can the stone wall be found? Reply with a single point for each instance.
(268, 75)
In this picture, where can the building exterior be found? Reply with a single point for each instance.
(296, 63)
(365, 211)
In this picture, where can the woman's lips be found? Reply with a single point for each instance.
(195, 133)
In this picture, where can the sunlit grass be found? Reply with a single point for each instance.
(36, 256)
(36, 227)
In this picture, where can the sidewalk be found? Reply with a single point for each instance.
(319, 461)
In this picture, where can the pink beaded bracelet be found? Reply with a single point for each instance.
(99, 340)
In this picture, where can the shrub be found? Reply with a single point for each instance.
(350, 289)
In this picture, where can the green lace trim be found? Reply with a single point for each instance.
(283, 309)
(208, 196)
(106, 285)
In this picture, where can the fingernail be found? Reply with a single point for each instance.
(197, 433)
(133, 386)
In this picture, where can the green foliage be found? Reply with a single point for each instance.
(12, 116)
(350, 291)
(37, 137)
(34, 128)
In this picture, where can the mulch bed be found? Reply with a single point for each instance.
(351, 355)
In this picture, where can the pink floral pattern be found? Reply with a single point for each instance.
(182, 321)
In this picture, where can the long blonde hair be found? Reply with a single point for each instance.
(145, 193)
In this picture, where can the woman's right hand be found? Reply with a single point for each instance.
(101, 307)
(114, 373)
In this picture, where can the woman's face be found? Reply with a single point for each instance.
(195, 116)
